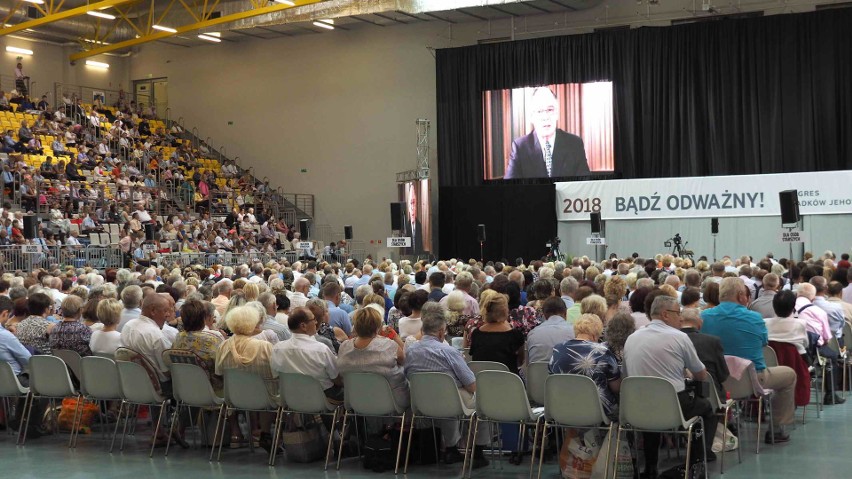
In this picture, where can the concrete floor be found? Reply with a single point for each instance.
(813, 451)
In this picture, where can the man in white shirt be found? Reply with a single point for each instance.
(301, 287)
(144, 217)
(145, 334)
(303, 354)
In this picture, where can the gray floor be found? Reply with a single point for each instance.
(812, 451)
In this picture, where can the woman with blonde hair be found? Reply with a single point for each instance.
(243, 351)
(251, 291)
(594, 304)
(614, 291)
(371, 352)
(107, 339)
(496, 340)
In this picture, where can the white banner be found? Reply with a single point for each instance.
(820, 193)
(399, 242)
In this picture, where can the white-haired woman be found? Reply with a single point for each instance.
(243, 351)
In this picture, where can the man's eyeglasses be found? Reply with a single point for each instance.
(676, 311)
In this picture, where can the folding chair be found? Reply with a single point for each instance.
(370, 395)
(585, 409)
(245, 391)
(502, 398)
(49, 379)
(650, 404)
(137, 389)
(748, 389)
(192, 388)
(99, 383)
(477, 366)
(722, 408)
(537, 374)
(303, 394)
(435, 396)
(10, 388)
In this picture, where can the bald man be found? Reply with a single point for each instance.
(145, 334)
(301, 287)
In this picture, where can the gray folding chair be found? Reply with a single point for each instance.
(650, 404)
(370, 395)
(502, 398)
(303, 394)
(136, 389)
(584, 410)
(537, 374)
(72, 360)
(245, 391)
(99, 383)
(748, 389)
(191, 387)
(49, 379)
(477, 366)
(722, 409)
(10, 388)
(769, 357)
(436, 396)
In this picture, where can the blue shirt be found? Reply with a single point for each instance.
(337, 318)
(13, 352)
(743, 332)
(429, 355)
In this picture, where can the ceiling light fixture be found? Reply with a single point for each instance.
(96, 42)
(92, 63)
(22, 51)
(37, 2)
(164, 29)
(286, 2)
(326, 23)
(209, 38)
(95, 13)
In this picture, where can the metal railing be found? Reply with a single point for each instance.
(26, 258)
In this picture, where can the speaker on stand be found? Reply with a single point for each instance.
(347, 232)
(480, 236)
(789, 202)
(596, 227)
(714, 230)
(304, 229)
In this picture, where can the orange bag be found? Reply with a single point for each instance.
(66, 415)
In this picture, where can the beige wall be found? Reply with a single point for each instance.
(341, 105)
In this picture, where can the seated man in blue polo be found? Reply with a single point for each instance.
(743, 334)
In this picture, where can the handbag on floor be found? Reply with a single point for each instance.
(303, 438)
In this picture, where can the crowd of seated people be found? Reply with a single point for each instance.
(623, 317)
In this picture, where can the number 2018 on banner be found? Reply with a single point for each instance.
(582, 205)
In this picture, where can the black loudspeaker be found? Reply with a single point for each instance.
(347, 232)
(149, 231)
(303, 229)
(30, 227)
(714, 226)
(396, 216)
(480, 233)
(789, 201)
(595, 219)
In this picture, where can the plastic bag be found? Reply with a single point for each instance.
(622, 463)
(583, 455)
(723, 436)
(66, 415)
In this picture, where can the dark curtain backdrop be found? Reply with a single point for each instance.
(763, 95)
(518, 219)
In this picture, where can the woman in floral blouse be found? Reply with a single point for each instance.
(34, 332)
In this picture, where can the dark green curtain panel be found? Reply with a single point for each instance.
(760, 95)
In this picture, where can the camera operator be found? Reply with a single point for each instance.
(662, 350)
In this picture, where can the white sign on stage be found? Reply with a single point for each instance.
(792, 236)
(399, 242)
(31, 248)
(596, 240)
(820, 193)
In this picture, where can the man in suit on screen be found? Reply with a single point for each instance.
(411, 227)
(547, 152)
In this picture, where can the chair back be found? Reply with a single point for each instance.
(746, 386)
(100, 378)
(191, 386)
(369, 394)
(537, 374)
(583, 410)
(501, 396)
(130, 355)
(458, 343)
(136, 385)
(302, 393)
(847, 331)
(49, 377)
(649, 403)
(247, 391)
(72, 360)
(436, 395)
(9, 384)
(833, 345)
(769, 357)
(477, 366)
(715, 400)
